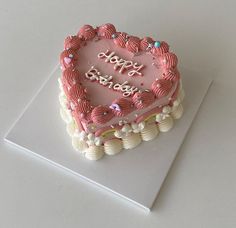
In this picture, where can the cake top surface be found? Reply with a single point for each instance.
(110, 76)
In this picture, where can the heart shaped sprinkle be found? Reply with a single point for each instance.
(67, 60)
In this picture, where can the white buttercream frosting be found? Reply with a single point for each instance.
(94, 152)
(113, 146)
(138, 127)
(66, 115)
(62, 100)
(149, 132)
(166, 124)
(79, 145)
(177, 112)
(132, 140)
(164, 114)
(71, 128)
(181, 95)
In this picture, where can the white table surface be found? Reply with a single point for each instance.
(200, 190)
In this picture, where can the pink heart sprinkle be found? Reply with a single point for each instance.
(67, 60)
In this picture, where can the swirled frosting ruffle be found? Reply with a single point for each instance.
(161, 87)
(157, 51)
(101, 114)
(143, 99)
(133, 44)
(87, 32)
(107, 31)
(122, 107)
(72, 42)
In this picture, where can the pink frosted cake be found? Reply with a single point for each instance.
(117, 90)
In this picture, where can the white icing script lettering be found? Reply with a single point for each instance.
(121, 64)
(94, 75)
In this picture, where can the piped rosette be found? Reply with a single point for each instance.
(143, 99)
(77, 94)
(146, 44)
(120, 39)
(72, 42)
(122, 107)
(83, 110)
(168, 60)
(87, 32)
(161, 87)
(171, 74)
(70, 77)
(159, 48)
(133, 44)
(68, 58)
(101, 114)
(106, 31)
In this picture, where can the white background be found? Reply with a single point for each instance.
(200, 190)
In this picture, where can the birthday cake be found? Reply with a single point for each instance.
(117, 90)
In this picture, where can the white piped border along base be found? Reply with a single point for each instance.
(128, 137)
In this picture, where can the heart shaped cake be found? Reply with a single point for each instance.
(117, 90)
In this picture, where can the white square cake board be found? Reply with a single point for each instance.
(137, 174)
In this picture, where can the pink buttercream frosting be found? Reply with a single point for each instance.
(101, 114)
(70, 77)
(146, 43)
(171, 74)
(72, 42)
(122, 106)
(106, 31)
(143, 99)
(87, 32)
(120, 39)
(83, 106)
(157, 51)
(161, 87)
(77, 93)
(133, 44)
(168, 60)
(68, 58)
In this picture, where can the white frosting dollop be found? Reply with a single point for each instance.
(149, 132)
(131, 141)
(138, 127)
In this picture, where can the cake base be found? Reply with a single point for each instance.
(136, 174)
